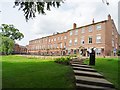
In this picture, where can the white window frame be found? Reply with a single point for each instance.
(113, 42)
(61, 45)
(71, 33)
(90, 28)
(83, 30)
(49, 40)
(75, 41)
(76, 32)
(65, 37)
(61, 37)
(70, 42)
(98, 27)
(100, 40)
(58, 38)
(54, 39)
(89, 40)
(82, 40)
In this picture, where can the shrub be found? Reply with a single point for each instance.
(118, 52)
(73, 55)
(63, 60)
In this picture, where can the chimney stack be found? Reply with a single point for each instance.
(93, 21)
(74, 25)
(109, 17)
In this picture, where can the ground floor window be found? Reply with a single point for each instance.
(75, 51)
(98, 51)
(69, 51)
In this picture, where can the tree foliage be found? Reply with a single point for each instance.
(32, 7)
(7, 35)
(105, 1)
(11, 32)
(6, 45)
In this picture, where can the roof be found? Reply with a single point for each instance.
(70, 30)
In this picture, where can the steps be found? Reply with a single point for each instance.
(91, 87)
(88, 78)
(84, 69)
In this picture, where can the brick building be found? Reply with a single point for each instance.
(102, 36)
(18, 49)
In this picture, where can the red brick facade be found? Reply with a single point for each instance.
(19, 49)
(102, 36)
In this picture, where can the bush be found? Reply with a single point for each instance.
(63, 60)
(118, 52)
(73, 55)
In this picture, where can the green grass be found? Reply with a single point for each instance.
(22, 72)
(107, 67)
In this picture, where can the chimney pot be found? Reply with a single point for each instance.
(109, 17)
(93, 21)
(74, 25)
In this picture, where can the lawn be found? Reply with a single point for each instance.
(107, 67)
(23, 72)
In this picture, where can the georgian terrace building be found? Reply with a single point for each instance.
(102, 36)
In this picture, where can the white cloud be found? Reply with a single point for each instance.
(61, 19)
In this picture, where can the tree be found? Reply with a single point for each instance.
(33, 7)
(11, 32)
(8, 35)
(6, 46)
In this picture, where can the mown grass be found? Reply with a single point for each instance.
(109, 68)
(22, 72)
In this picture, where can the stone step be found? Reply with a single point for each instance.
(78, 65)
(84, 69)
(93, 81)
(87, 73)
(76, 62)
(91, 87)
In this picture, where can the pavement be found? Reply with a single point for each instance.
(88, 78)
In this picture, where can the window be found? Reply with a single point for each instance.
(76, 32)
(49, 40)
(65, 37)
(48, 47)
(70, 33)
(64, 45)
(75, 41)
(58, 38)
(82, 40)
(60, 45)
(61, 38)
(98, 39)
(70, 43)
(69, 51)
(51, 45)
(112, 32)
(98, 51)
(83, 30)
(116, 45)
(55, 45)
(75, 51)
(54, 39)
(90, 40)
(113, 42)
(90, 28)
(98, 27)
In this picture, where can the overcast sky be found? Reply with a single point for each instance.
(59, 19)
